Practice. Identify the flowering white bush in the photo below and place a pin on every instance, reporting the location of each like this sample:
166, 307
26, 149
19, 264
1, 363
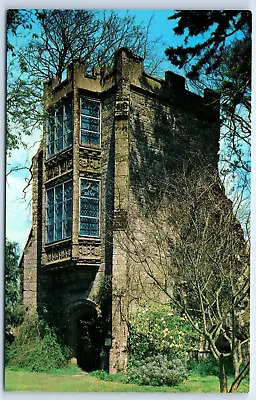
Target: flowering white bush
158, 329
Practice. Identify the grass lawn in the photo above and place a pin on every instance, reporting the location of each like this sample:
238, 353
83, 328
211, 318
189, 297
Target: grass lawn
24, 381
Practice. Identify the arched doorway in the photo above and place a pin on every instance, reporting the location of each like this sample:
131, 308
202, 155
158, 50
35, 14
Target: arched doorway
89, 342
84, 334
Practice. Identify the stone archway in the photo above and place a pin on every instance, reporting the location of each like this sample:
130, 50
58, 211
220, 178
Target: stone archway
84, 333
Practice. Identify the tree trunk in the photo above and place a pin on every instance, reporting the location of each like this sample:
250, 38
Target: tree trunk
237, 359
222, 375
240, 377
236, 364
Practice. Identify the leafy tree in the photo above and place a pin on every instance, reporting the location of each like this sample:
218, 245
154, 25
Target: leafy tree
12, 288
219, 25
37, 346
217, 54
20, 106
16, 18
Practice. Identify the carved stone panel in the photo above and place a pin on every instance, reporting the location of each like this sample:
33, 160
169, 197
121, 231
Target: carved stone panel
58, 252
89, 251
58, 165
122, 108
89, 161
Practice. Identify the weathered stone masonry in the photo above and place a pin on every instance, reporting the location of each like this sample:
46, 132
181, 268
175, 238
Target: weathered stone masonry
148, 127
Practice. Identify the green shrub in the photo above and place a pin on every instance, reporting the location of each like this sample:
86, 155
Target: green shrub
157, 371
101, 374
105, 376
37, 347
157, 330
209, 366
204, 366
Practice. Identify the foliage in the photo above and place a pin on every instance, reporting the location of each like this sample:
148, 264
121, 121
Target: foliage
105, 376
160, 330
216, 53
37, 347
101, 374
219, 24
208, 366
13, 309
157, 371
203, 367
17, 18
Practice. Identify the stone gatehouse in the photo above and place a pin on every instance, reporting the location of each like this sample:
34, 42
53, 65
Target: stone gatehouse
110, 140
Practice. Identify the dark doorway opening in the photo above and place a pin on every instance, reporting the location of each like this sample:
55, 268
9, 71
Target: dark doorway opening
89, 340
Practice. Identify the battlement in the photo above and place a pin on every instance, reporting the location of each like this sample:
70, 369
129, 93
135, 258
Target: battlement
130, 68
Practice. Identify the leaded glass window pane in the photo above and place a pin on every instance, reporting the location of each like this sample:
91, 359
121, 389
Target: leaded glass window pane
90, 188
68, 208
59, 144
50, 197
50, 233
50, 134
59, 122
90, 137
50, 149
59, 212
89, 226
89, 207
58, 230
91, 108
59, 132
68, 125
68, 227
68, 190
58, 193
50, 214
90, 122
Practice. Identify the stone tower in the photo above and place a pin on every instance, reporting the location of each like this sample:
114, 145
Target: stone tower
110, 140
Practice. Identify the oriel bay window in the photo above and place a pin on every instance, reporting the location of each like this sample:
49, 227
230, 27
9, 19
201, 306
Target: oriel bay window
59, 128
90, 122
89, 207
59, 212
